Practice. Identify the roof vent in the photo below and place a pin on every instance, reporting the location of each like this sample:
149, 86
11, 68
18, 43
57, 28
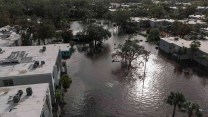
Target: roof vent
176, 39
36, 64
1, 51
43, 49
17, 97
42, 62
20, 92
29, 91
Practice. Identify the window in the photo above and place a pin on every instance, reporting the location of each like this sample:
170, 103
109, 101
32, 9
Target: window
8, 83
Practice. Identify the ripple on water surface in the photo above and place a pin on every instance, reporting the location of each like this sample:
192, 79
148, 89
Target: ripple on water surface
96, 92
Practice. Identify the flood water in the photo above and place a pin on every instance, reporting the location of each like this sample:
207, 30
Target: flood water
97, 91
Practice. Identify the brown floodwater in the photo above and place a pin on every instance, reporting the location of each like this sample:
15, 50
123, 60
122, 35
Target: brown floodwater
100, 90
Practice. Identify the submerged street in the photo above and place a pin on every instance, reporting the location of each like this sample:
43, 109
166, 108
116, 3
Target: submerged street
98, 90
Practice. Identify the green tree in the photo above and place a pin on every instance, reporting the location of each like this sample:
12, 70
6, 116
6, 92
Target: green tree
175, 26
59, 96
140, 12
176, 99
157, 11
184, 13
26, 39
153, 35
65, 81
194, 47
129, 51
121, 17
184, 29
100, 8
182, 51
4, 18
192, 109
96, 34
67, 36
44, 31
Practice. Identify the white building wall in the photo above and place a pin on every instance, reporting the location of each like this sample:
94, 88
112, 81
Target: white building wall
171, 48
164, 46
47, 107
187, 55
55, 75
46, 110
198, 58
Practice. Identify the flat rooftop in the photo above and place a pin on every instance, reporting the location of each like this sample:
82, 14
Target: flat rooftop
5, 28
8, 36
197, 16
26, 56
186, 43
28, 106
185, 21
201, 7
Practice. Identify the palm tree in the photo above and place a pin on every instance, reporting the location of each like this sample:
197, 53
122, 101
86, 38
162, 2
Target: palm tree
176, 99
192, 109
194, 47
182, 51
146, 58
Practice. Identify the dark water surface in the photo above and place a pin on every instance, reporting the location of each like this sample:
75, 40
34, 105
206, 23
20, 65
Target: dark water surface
97, 91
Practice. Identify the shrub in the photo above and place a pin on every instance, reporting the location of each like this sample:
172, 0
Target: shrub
65, 81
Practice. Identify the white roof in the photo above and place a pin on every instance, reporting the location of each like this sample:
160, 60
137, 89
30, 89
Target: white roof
5, 28
115, 4
173, 7
201, 7
205, 29
183, 3
138, 19
74, 32
29, 106
32, 54
7, 36
192, 21
5, 42
197, 16
169, 20
124, 5
187, 21
112, 10
186, 43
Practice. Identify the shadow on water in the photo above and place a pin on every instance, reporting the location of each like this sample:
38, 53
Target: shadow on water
94, 52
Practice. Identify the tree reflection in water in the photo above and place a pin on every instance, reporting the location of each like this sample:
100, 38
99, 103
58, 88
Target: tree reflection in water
94, 52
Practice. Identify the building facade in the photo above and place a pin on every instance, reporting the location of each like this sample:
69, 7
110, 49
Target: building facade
174, 46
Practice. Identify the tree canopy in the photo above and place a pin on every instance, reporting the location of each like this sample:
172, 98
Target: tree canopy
129, 51
176, 99
95, 33
153, 35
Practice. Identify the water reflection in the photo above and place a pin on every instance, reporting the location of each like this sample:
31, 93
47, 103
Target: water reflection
94, 52
97, 91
